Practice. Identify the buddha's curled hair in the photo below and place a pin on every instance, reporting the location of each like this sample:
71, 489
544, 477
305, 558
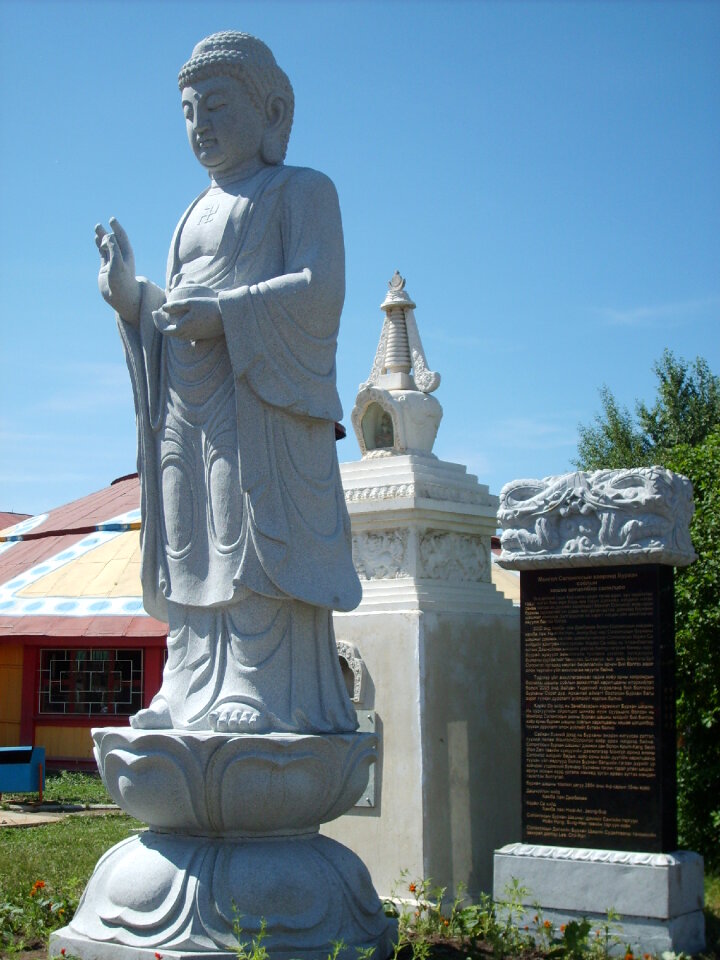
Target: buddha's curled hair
247, 59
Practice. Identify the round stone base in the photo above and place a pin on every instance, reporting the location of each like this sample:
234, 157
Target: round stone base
222, 784
194, 897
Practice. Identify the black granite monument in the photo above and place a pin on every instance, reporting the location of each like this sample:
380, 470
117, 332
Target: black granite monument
598, 707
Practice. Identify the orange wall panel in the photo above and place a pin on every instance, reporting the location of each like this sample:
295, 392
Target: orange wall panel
62, 741
11, 658
11, 655
9, 734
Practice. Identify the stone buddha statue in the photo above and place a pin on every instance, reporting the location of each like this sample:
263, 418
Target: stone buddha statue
245, 535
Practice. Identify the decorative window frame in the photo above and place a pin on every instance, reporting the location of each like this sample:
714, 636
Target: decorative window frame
123, 668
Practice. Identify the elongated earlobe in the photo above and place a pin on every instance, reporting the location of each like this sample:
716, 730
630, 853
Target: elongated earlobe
274, 145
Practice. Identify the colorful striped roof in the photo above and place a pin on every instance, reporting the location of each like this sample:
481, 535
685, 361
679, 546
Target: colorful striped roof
75, 571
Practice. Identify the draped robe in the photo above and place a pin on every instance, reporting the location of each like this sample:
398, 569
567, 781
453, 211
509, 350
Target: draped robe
245, 535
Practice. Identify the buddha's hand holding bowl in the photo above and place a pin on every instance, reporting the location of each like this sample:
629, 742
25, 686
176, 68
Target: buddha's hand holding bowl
191, 312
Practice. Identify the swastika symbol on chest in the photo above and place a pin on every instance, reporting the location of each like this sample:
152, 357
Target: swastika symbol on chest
209, 212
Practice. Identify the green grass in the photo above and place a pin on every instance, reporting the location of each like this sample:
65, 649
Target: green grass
712, 914
67, 787
62, 855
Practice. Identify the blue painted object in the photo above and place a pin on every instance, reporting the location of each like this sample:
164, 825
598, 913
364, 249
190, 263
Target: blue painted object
22, 770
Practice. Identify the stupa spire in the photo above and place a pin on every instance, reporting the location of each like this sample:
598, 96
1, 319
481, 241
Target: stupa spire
400, 362
393, 412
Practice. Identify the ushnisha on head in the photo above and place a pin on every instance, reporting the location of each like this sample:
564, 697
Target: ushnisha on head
249, 61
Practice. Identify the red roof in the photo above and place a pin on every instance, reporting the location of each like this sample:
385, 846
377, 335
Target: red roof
58, 531
10, 519
82, 516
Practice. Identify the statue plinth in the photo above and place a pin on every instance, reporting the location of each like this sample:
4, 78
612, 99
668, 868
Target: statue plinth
233, 842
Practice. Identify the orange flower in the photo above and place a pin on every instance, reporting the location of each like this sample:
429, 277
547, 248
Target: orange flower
647, 956
629, 955
39, 884
446, 922
412, 888
546, 924
535, 918
562, 928
417, 913
158, 956
526, 927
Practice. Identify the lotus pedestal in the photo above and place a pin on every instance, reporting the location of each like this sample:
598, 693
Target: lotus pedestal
232, 841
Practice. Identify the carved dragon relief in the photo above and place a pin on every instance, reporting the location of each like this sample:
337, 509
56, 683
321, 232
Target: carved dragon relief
641, 514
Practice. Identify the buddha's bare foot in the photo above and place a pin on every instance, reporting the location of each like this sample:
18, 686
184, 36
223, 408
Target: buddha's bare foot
155, 717
237, 718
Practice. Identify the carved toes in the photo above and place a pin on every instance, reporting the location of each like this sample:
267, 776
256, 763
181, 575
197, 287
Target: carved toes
237, 718
155, 717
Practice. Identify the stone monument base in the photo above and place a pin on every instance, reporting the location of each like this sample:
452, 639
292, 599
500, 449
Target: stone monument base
233, 849
659, 896
187, 896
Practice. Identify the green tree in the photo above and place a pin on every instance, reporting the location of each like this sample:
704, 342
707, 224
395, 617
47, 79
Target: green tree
681, 431
687, 406
697, 642
612, 441
686, 409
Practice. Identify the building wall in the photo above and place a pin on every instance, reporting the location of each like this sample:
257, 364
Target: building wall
67, 739
64, 742
11, 659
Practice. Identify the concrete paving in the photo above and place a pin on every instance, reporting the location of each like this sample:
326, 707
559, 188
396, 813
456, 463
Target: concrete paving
23, 815
13, 818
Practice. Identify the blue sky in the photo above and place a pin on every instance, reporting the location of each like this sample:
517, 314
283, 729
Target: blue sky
545, 175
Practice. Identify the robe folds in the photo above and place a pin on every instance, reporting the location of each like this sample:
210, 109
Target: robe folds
245, 534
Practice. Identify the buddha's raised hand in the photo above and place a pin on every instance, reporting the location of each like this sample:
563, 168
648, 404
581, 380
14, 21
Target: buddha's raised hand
116, 279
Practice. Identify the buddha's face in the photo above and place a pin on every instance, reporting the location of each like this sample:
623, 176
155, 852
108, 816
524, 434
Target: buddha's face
224, 127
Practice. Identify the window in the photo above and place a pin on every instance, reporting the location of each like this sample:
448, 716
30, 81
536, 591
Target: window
90, 682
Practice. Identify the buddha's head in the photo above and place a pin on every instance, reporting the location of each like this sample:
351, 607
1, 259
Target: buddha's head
238, 103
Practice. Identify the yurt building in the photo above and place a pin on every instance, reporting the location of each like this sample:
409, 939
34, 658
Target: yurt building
77, 650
